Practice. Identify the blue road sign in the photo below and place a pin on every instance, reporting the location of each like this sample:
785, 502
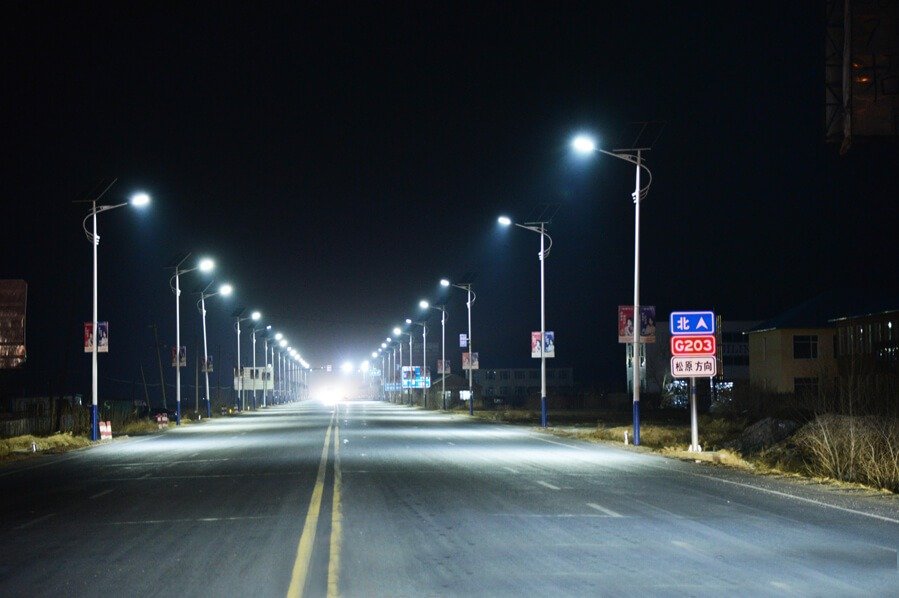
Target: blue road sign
692, 322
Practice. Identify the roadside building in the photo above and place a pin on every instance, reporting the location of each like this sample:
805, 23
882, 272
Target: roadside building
512, 386
800, 350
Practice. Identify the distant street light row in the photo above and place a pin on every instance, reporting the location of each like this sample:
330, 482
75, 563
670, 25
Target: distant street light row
583, 145
293, 372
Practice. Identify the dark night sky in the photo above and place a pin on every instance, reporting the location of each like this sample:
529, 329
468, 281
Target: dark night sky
338, 159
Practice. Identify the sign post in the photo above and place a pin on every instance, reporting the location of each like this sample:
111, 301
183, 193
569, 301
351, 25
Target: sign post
693, 349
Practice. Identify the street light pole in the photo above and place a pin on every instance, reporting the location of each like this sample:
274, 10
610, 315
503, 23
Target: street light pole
241, 403
442, 309
585, 145
224, 291
638, 320
137, 200
539, 227
204, 265
254, 368
471, 299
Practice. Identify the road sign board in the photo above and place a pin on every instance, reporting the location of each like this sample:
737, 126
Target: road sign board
693, 367
692, 322
702, 344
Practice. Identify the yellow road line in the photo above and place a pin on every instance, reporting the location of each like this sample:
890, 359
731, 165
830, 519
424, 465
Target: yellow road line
336, 523
307, 539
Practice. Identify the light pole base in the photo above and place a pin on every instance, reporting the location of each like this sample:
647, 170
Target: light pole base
636, 423
95, 423
178, 414
543, 412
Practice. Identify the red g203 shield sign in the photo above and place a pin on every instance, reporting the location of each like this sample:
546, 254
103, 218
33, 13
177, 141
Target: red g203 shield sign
693, 345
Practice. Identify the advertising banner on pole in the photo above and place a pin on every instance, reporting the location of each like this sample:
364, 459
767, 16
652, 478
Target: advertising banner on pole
470, 361
548, 345
443, 368
207, 365
102, 337
626, 324
463, 341
183, 360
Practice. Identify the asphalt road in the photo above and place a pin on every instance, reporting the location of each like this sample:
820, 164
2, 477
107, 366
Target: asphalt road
373, 499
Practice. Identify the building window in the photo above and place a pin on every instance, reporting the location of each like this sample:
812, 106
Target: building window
805, 346
805, 387
519, 374
504, 375
490, 391
490, 375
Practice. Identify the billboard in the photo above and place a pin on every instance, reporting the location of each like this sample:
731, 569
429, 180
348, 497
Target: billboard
626, 324
861, 71
415, 377
13, 300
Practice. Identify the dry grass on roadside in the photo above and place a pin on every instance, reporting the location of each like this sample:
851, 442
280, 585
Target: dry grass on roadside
19, 445
137, 428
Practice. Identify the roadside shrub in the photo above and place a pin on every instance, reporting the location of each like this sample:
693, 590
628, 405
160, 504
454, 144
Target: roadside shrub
852, 449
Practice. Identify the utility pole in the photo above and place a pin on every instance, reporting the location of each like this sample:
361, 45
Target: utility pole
165, 404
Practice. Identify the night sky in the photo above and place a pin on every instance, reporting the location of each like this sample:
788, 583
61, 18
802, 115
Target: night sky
338, 159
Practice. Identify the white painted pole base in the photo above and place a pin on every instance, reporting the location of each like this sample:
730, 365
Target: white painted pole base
694, 448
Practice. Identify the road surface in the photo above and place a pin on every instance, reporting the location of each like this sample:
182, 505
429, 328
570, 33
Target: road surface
374, 499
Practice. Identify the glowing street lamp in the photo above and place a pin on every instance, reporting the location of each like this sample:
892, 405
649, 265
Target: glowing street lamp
397, 332
255, 316
442, 309
466, 286
424, 350
204, 265
224, 290
586, 145
538, 227
137, 200
282, 342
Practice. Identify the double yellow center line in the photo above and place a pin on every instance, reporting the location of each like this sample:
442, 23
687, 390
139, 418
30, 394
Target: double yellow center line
307, 539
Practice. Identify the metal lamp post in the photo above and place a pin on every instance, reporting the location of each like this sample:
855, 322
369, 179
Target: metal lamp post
539, 227
442, 309
583, 144
424, 353
224, 291
471, 298
137, 200
397, 332
281, 342
265, 339
204, 265
253, 335
255, 317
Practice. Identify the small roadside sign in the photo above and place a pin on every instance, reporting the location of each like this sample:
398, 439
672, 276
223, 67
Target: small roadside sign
694, 367
692, 322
